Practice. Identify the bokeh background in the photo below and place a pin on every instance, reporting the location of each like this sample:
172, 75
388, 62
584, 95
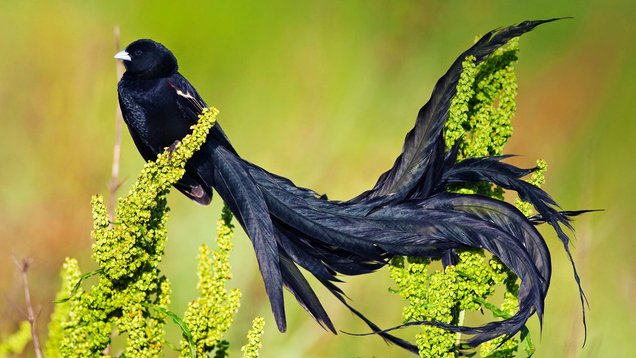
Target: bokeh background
323, 93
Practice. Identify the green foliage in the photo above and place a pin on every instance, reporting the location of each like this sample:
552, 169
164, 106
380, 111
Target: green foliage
70, 277
128, 252
480, 116
210, 315
16, 342
251, 348
481, 110
131, 296
537, 178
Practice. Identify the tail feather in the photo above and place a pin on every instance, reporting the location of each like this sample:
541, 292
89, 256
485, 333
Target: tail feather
424, 228
299, 287
471, 230
377, 330
491, 169
480, 334
303, 253
323, 260
419, 159
246, 202
568, 214
506, 217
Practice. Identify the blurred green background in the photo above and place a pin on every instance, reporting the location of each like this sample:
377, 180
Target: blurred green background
323, 93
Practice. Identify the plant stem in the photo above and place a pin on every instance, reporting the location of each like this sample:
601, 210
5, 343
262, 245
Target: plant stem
114, 183
114, 180
23, 265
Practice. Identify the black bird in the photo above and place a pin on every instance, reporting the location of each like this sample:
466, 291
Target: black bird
408, 212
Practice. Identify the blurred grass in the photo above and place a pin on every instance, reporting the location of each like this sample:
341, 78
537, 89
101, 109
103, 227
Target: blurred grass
322, 93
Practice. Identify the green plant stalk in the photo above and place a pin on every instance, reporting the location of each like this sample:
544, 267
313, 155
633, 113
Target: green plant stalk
480, 114
16, 342
131, 296
211, 314
252, 348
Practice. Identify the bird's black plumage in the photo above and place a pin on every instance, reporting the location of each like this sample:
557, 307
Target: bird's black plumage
408, 212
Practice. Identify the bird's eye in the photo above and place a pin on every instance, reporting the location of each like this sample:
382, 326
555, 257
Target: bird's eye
138, 53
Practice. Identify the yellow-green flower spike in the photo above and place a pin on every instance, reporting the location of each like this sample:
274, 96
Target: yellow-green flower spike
210, 315
17, 342
253, 345
480, 114
131, 295
70, 277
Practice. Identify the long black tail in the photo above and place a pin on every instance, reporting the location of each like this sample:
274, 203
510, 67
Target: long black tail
338, 237
407, 213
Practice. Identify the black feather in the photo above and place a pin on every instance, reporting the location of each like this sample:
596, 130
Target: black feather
407, 212
245, 200
299, 287
420, 155
507, 176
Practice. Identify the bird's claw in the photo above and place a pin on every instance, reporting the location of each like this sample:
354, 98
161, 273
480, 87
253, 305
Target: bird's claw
173, 147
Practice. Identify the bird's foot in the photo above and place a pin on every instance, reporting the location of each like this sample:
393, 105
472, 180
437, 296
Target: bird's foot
173, 147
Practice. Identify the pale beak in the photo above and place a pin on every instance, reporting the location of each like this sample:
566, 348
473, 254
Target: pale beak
123, 55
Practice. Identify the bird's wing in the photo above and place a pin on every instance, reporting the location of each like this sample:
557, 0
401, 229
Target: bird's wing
423, 151
145, 150
188, 99
195, 184
191, 103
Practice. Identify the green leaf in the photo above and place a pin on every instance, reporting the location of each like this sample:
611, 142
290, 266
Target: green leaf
79, 282
184, 328
496, 311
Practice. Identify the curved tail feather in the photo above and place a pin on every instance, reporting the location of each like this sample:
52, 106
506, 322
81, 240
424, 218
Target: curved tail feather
408, 212
507, 176
423, 228
420, 160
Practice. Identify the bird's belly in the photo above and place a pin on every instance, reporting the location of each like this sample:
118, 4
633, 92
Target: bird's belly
165, 127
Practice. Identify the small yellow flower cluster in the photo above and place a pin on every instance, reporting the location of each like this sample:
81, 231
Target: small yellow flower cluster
251, 349
70, 275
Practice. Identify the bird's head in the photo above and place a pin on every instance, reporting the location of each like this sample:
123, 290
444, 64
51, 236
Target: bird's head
147, 59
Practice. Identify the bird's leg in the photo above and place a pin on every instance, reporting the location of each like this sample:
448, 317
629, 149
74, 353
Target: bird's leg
173, 147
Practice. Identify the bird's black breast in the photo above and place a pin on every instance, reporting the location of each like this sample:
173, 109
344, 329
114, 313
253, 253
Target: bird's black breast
153, 114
